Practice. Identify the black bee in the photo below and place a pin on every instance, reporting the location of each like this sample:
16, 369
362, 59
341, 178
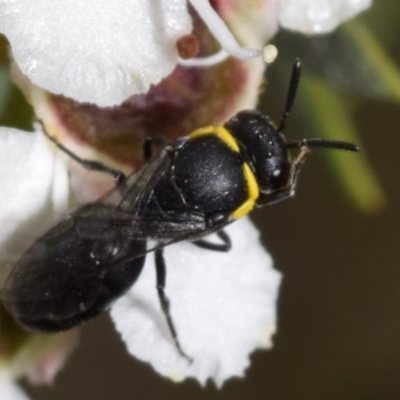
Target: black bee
191, 188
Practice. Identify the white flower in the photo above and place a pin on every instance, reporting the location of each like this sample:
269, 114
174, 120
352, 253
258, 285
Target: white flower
104, 51
223, 306
319, 16
33, 180
98, 51
9, 390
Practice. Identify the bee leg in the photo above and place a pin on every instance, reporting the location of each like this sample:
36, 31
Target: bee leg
91, 165
148, 144
225, 246
161, 274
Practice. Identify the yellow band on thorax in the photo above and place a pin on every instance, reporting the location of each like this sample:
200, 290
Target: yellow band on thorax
221, 132
253, 193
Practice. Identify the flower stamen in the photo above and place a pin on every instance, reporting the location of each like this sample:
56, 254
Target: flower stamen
221, 32
207, 61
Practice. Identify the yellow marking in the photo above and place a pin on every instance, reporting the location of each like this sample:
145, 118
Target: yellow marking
221, 132
252, 184
253, 193
244, 209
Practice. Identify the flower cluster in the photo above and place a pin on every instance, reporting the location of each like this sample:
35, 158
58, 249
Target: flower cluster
135, 52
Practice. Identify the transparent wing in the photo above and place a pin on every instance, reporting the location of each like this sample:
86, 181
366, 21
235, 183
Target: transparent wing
94, 255
131, 196
69, 276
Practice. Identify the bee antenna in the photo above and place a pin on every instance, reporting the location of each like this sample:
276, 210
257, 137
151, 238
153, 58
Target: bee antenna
294, 83
323, 143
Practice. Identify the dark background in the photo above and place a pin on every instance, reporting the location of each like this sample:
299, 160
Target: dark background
339, 306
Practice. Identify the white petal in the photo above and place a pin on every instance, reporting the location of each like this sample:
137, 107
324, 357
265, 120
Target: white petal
99, 51
11, 391
319, 16
27, 175
223, 306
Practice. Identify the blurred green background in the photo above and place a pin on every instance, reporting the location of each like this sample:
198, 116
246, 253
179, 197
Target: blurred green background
337, 243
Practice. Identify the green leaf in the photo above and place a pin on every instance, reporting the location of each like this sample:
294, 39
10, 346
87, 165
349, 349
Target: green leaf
328, 114
5, 88
372, 53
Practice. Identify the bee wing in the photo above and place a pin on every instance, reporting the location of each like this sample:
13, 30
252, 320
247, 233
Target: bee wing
131, 199
94, 255
131, 195
70, 274
84, 263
